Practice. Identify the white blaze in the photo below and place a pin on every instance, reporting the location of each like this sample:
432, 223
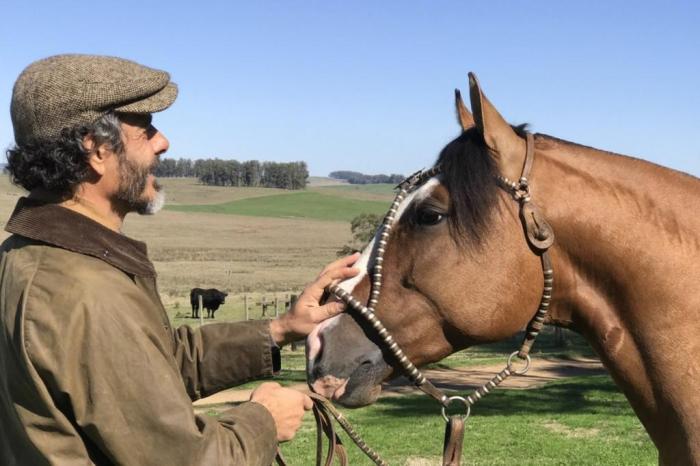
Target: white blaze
314, 340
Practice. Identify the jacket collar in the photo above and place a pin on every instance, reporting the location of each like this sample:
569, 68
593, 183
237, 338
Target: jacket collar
58, 226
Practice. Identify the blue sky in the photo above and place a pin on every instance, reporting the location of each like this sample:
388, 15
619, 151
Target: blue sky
368, 85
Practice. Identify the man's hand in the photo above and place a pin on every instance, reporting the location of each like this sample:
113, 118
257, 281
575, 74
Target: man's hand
300, 320
287, 407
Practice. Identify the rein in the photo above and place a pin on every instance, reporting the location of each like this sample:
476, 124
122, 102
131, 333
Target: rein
539, 236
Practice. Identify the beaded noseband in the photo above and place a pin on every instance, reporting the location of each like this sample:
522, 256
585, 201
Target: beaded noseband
539, 237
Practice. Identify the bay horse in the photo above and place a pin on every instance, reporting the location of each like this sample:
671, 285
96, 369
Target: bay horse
458, 271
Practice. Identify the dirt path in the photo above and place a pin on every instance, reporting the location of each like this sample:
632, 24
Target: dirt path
460, 379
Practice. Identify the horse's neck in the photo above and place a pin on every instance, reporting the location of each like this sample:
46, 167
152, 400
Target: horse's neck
626, 274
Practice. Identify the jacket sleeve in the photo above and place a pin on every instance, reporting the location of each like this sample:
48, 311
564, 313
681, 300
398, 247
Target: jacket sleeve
116, 381
219, 356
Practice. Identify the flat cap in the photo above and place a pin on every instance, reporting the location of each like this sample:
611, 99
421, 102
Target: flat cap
68, 90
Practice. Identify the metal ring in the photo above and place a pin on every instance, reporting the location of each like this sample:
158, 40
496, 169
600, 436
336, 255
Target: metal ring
509, 365
450, 400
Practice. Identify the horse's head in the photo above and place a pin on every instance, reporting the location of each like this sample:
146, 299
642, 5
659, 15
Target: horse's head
457, 269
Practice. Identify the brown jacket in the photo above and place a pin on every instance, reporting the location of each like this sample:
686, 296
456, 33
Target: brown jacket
91, 372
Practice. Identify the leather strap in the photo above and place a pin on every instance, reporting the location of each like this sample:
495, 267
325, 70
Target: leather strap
538, 231
429, 389
279, 459
324, 426
454, 438
540, 237
325, 413
529, 155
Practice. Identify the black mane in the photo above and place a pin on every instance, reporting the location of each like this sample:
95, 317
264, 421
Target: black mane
469, 174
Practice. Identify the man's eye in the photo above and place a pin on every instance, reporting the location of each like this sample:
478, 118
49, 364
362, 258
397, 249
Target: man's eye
428, 217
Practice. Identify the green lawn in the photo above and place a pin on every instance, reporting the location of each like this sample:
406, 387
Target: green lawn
361, 191
300, 204
578, 421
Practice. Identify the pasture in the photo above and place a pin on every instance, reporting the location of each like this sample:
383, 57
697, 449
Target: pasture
240, 253
577, 421
267, 242
302, 205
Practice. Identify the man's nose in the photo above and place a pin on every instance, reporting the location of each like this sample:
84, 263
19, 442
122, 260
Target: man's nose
160, 143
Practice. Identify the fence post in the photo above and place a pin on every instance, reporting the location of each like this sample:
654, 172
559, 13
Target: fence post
245, 306
201, 310
292, 302
277, 309
263, 306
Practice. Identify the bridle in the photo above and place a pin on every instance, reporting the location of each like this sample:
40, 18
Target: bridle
539, 236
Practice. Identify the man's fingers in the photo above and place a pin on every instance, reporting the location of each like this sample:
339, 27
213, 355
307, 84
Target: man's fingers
327, 311
317, 287
346, 261
267, 386
308, 404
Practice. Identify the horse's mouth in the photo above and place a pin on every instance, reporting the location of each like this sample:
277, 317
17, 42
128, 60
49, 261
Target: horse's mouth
362, 396
363, 387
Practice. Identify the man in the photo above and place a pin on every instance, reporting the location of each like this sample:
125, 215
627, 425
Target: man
91, 371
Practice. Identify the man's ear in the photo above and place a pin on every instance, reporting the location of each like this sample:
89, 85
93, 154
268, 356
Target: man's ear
97, 155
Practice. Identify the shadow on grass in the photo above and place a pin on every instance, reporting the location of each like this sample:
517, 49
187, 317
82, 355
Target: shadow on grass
572, 344
579, 395
469, 378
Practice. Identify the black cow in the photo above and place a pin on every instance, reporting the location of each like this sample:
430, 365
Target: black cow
211, 300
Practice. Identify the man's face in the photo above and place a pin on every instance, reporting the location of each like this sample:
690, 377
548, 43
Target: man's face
138, 189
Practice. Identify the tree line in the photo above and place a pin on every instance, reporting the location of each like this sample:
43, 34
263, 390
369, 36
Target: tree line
360, 178
252, 173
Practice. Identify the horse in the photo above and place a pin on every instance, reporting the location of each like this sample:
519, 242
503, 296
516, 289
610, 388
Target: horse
459, 268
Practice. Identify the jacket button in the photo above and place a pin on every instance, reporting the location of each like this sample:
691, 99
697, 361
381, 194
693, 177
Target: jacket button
105, 253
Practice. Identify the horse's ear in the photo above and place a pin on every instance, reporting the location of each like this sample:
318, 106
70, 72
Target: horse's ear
505, 145
464, 116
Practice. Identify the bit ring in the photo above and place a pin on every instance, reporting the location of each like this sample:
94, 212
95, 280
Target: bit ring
449, 401
521, 371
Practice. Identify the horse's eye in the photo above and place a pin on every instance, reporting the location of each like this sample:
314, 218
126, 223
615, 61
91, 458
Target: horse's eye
428, 217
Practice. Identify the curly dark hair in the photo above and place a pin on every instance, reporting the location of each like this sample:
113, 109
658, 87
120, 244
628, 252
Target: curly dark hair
61, 164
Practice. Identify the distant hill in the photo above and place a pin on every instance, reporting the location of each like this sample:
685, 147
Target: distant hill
317, 181
293, 204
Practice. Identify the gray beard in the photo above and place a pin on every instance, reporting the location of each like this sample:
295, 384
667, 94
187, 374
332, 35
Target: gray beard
133, 179
154, 205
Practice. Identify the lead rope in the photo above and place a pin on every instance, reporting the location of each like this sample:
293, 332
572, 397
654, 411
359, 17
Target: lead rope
324, 413
540, 237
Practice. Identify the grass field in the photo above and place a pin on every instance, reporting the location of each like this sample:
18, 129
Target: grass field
379, 192
188, 191
579, 421
300, 204
240, 253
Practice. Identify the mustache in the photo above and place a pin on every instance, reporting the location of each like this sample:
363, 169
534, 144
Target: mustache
152, 171
154, 166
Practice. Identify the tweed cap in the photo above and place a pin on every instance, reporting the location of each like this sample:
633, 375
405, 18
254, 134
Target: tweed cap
67, 90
